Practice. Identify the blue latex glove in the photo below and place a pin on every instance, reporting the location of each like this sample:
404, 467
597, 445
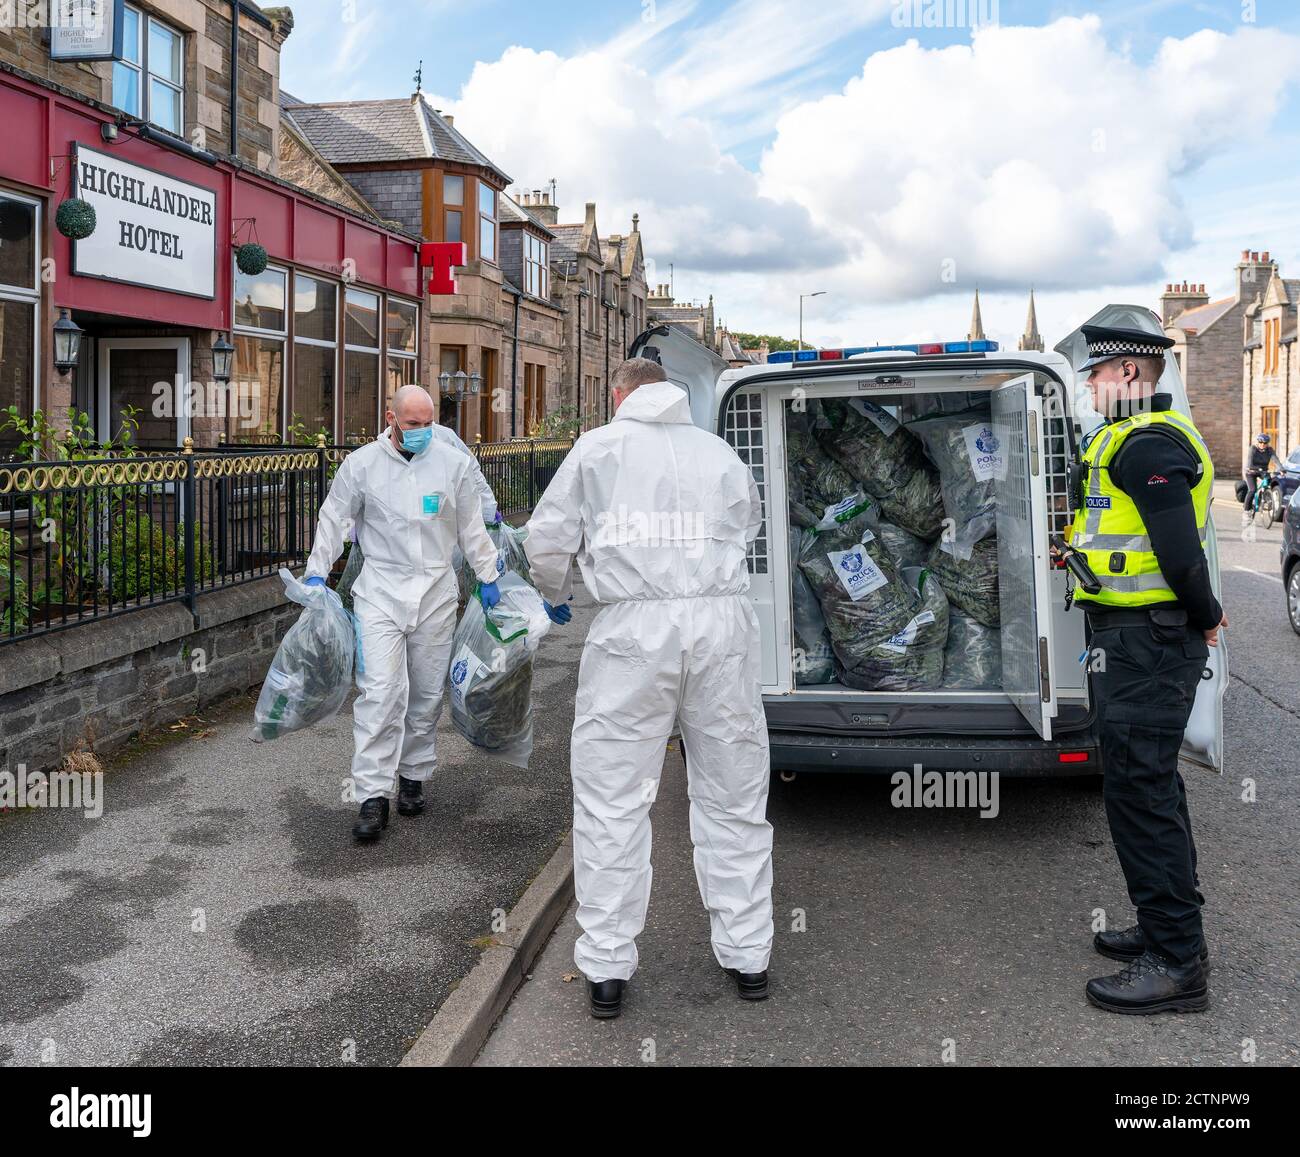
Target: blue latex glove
560, 614
314, 581
498, 518
489, 594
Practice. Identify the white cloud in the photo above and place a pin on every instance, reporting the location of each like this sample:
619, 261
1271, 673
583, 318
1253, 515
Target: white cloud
1031, 155
1041, 155
596, 123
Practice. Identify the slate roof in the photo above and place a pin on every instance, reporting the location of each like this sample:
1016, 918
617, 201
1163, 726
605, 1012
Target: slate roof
1203, 316
357, 132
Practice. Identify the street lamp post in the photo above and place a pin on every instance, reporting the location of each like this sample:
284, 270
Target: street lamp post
801, 297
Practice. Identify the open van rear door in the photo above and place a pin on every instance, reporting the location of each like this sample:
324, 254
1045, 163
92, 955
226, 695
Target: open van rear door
1025, 592
1203, 740
688, 364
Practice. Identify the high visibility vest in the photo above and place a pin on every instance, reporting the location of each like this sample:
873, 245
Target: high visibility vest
1108, 529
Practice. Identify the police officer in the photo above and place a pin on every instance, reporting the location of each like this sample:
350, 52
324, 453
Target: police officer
1145, 510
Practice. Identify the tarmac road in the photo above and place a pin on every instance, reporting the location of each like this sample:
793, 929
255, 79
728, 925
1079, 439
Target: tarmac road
220, 912
935, 934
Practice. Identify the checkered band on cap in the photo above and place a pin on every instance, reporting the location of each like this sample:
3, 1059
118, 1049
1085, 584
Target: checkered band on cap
1100, 349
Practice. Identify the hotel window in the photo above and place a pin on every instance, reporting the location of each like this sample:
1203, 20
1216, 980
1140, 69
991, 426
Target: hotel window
20, 260
149, 80
535, 266
361, 366
487, 222
315, 353
257, 385
453, 199
403, 343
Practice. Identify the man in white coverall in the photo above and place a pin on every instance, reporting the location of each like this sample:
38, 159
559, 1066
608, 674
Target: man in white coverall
413, 498
661, 515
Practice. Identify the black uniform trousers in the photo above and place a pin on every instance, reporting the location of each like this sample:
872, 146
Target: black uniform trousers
1144, 680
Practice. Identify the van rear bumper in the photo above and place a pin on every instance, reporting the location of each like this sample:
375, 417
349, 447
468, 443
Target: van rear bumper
803, 751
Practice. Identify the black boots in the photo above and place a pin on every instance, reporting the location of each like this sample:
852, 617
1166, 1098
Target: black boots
410, 796
750, 985
606, 998
1151, 984
372, 820
1129, 944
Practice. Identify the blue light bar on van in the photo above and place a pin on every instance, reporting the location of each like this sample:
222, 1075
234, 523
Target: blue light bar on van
785, 357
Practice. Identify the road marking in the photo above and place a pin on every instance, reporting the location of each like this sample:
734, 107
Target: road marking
1259, 574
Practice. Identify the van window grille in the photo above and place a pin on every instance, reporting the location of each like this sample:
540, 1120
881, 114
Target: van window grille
1056, 458
744, 432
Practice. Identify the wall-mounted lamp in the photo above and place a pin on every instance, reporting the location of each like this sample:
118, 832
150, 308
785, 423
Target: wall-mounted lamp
67, 343
223, 359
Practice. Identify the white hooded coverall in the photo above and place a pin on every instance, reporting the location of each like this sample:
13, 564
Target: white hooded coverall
660, 515
409, 516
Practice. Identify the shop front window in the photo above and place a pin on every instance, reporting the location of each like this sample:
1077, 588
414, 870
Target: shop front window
315, 353
19, 306
402, 343
256, 401
360, 366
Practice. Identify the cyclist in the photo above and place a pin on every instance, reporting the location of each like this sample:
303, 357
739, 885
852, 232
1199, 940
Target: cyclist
1262, 457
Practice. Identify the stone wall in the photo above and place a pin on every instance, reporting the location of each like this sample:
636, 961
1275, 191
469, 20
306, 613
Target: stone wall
205, 25
98, 685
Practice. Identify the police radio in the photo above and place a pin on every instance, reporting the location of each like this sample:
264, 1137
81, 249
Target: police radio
1077, 565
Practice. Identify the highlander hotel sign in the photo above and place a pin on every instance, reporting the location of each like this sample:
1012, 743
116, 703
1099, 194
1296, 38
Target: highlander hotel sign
152, 230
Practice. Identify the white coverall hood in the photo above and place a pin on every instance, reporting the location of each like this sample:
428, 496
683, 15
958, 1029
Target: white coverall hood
652, 506
656, 402
660, 515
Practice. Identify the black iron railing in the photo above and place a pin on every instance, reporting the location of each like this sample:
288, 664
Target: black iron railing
82, 541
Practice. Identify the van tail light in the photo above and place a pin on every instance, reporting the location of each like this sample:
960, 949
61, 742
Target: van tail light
1073, 756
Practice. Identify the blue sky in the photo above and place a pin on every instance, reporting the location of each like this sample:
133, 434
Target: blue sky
707, 117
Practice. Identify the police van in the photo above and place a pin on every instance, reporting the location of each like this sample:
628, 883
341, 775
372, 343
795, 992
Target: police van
1039, 721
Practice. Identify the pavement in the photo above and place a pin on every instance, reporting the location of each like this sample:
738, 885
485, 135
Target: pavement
220, 913
911, 937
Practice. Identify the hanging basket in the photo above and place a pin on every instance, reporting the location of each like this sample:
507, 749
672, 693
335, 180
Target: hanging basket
251, 258
75, 219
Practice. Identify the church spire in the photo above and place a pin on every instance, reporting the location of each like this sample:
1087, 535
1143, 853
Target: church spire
1032, 339
976, 321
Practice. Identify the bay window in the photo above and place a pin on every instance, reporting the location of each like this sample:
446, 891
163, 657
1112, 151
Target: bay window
487, 222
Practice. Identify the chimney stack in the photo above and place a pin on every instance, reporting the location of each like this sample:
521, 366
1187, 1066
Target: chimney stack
1180, 297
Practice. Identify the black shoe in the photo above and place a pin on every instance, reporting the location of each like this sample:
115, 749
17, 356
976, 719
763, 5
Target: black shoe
606, 998
410, 796
750, 985
373, 818
1151, 984
1129, 944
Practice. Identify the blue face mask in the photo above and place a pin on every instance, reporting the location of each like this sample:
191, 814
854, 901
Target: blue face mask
413, 441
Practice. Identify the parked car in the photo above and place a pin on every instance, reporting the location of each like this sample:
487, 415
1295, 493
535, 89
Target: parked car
1291, 559
1288, 479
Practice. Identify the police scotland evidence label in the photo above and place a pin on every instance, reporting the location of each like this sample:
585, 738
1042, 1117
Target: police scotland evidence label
857, 571
988, 456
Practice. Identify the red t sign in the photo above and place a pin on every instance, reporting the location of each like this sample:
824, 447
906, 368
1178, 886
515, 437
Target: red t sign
441, 257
